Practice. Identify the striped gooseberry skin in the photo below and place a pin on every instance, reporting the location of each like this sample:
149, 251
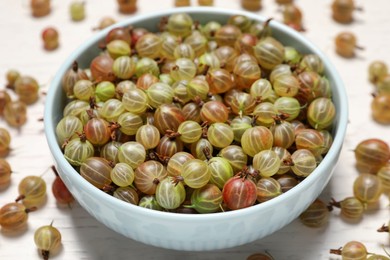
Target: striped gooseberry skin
197, 149
149, 46
321, 113
168, 117
13, 216
149, 202
168, 45
175, 163
97, 131
106, 90
267, 188
198, 88
148, 136
159, 93
5, 172
32, 190
284, 156
239, 125
96, 170
207, 61
111, 109
287, 182
84, 89
129, 123
354, 250
227, 56
372, 151
213, 112
283, 133
195, 173
286, 86
328, 140
243, 104
190, 131
310, 139
191, 111
206, 199
122, 174
309, 81
75, 108
101, 68
239, 193
227, 35
367, 188
312, 62
289, 106
220, 170
261, 88
265, 113
124, 67
148, 175
269, 52
110, 150
146, 80
351, 208
197, 41
135, 101
127, 194
132, 153
220, 135
170, 194
78, 150
235, 156
220, 80
304, 162
279, 71
66, 129
184, 69
383, 174
316, 215
256, 139
267, 162
167, 146
246, 73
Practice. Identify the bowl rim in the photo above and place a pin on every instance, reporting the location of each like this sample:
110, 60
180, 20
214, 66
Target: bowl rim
330, 158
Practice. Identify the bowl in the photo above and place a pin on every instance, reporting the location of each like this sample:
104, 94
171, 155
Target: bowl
202, 231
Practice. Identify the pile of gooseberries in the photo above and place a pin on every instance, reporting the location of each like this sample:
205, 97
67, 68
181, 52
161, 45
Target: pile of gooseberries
209, 118
378, 75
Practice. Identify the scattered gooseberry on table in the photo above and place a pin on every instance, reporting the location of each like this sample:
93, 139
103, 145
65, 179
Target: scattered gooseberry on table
77, 10
50, 37
5, 173
32, 191
316, 215
346, 44
251, 5
351, 250
367, 188
14, 216
127, 6
47, 239
351, 207
40, 8
59, 190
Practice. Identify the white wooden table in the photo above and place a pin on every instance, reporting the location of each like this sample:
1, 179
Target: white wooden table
84, 237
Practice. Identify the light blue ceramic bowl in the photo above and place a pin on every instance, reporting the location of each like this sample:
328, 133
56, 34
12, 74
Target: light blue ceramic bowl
195, 232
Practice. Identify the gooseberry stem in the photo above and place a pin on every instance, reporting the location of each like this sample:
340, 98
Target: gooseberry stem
336, 251
383, 228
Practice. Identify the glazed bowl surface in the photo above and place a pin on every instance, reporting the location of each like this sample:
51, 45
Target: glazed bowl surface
201, 231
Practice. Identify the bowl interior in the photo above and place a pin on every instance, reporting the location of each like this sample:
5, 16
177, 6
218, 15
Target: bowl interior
56, 101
